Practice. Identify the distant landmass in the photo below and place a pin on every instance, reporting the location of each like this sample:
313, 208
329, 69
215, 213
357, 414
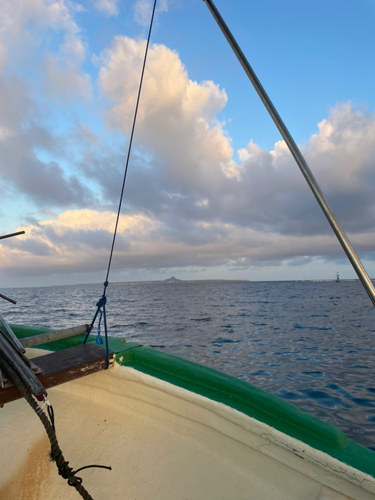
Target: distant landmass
172, 279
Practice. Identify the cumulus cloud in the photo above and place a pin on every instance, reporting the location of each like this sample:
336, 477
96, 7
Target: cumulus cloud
63, 244
78, 241
64, 81
31, 153
192, 173
176, 118
109, 7
22, 19
26, 25
45, 182
187, 201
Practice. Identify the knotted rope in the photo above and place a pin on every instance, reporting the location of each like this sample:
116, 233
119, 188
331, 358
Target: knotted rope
49, 424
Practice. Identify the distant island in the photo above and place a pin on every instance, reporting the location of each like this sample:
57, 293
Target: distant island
172, 279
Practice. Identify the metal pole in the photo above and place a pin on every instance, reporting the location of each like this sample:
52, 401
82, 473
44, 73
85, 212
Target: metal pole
24, 372
296, 153
10, 235
7, 298
11, 334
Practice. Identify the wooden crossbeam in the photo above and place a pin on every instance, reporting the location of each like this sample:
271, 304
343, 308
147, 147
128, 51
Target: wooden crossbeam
62, 366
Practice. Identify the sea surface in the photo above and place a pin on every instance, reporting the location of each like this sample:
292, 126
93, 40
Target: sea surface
311, 343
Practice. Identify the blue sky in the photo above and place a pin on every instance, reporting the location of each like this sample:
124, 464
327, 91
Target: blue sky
211, 191
308, 57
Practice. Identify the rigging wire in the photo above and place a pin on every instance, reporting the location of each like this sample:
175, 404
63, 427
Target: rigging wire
130, 141
102, 301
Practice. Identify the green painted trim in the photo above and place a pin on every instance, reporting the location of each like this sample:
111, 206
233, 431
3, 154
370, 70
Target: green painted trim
237, 394
251, 401
116, 345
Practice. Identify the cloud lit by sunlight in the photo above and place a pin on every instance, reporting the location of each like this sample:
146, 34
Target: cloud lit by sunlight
189, 200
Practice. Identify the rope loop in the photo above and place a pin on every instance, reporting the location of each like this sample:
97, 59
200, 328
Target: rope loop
99, 339
65, 471
101, 302
74, 481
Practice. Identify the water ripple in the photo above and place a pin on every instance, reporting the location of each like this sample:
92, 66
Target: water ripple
310, 343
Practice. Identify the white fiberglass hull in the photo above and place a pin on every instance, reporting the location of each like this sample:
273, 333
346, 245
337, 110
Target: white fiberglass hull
163, 442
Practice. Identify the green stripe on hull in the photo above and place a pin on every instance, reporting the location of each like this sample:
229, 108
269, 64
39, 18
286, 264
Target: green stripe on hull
252, 401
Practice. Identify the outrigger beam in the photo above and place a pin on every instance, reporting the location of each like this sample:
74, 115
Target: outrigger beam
45, 338
44, 372
60, 367
296, 153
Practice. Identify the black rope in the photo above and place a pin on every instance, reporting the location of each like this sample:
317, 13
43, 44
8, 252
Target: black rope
102, 302
55, 454
131, 141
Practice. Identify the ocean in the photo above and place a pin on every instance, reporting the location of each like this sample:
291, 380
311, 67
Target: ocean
311, 343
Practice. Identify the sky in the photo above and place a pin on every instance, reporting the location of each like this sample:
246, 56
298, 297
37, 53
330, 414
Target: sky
212, 191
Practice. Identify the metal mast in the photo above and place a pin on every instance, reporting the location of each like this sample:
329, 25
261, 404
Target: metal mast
296, 153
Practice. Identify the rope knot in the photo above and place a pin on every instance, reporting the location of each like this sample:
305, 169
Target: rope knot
74, 481
65, 471
102, 302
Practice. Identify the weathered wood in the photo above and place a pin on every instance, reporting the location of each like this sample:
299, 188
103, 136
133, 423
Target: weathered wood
62, 366
44, 338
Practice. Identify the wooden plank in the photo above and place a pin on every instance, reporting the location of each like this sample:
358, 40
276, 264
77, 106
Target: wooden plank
62, 366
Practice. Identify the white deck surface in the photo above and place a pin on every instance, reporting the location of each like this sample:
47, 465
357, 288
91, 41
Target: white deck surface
164, 443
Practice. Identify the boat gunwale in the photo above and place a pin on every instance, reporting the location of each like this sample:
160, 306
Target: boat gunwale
237, 394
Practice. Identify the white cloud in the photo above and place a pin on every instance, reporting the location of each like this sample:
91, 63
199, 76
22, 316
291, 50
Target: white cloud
266, 216
26, 19
25, 29
92, 220
42, 38
109, 7
192, 155
176, 117
64, 81
79, 241
192, 178
187, 201
22, 172
63, 244
343, 150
